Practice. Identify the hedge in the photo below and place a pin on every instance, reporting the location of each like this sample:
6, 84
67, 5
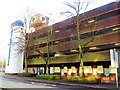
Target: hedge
48, 77
26, 74
84, 80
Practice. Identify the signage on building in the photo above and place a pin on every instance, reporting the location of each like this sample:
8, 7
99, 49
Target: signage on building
30, 70
65, 69
17, 23
69, 71
87, 69
112, 70
73, 69
106, 72
99, 69
62, 71
95, 71
57, 69
39, 21
51, 70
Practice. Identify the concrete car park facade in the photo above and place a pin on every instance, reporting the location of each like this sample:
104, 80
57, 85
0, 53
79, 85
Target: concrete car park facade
101, 24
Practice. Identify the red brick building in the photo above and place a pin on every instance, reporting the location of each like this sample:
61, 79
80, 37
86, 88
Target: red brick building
102, 25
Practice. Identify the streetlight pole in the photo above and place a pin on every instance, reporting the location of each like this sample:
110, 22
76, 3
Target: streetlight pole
116, 57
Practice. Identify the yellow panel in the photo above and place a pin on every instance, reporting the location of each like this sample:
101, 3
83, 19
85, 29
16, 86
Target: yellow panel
36, 61
88, 57
91, 56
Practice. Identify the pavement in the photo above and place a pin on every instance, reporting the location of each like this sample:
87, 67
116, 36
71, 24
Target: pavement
106, 86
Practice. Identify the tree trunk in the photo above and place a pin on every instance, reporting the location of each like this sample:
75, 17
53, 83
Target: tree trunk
47, 69
81, 68
26, 64
80, 48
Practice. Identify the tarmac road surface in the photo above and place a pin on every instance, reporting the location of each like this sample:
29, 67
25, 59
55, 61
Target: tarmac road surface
12, 84
16, 82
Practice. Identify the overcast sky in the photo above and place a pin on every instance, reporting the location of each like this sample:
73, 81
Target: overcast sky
10, 10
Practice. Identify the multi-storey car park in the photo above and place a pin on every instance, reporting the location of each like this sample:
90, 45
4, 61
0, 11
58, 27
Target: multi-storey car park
102, 25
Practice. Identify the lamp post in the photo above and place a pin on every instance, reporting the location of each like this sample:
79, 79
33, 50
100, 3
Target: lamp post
114, 54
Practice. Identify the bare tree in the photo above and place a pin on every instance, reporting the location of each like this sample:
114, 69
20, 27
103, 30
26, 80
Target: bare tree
74, 9
48, 48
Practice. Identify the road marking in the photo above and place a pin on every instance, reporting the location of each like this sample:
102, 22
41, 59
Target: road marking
54, 85
32, 82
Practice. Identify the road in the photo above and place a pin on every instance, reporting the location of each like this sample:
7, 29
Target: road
13, 83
